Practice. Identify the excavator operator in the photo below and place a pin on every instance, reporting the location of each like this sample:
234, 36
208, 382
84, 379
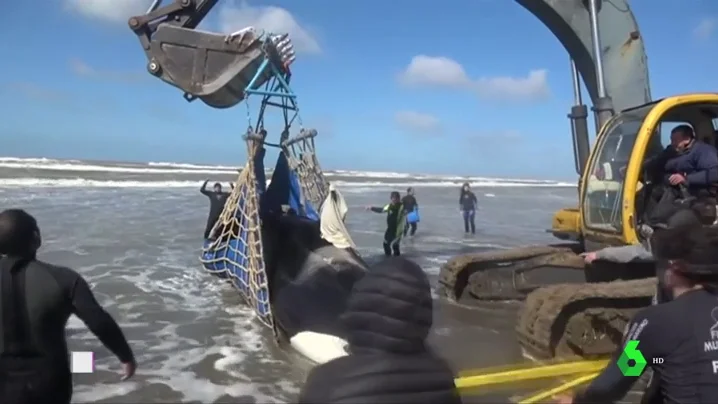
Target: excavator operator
690, 174
678, 339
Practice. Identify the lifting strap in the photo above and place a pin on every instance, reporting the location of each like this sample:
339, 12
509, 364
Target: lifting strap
581, 372
544, 395
529, 373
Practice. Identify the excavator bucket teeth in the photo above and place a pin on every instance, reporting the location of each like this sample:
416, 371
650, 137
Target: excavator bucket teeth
213, 67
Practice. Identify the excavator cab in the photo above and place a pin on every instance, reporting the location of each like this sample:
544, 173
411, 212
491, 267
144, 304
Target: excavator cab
614, 186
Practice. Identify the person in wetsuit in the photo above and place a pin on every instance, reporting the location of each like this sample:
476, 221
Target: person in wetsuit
691, 173
410, 203
386, 323
36, 300
217, 200
681, 334
467, 206
395, 222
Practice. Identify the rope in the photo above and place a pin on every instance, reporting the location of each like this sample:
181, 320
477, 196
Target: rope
237, 249
303, 160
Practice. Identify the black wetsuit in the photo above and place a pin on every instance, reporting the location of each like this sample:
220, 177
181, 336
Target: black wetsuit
217, 200
410, 203
395, 218
387, 321
467, 204
682, 337
36, 301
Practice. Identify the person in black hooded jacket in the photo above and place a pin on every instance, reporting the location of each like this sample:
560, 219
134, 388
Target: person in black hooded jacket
387, 321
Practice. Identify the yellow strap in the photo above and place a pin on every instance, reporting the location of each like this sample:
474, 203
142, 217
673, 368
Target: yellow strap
541, 396
534, 373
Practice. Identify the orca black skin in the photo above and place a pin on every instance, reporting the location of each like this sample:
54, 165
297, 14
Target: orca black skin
310, 279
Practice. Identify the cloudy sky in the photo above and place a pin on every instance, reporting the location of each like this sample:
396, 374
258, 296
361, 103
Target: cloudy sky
470, 87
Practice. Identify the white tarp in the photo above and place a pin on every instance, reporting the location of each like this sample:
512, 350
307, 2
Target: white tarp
333, 213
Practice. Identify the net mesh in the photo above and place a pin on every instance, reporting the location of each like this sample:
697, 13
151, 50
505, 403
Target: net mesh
236, 250
301, 154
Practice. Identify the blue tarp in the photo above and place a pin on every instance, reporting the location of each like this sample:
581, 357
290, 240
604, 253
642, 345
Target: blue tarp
285, 189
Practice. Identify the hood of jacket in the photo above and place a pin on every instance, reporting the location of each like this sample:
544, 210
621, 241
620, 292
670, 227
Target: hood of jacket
390, 309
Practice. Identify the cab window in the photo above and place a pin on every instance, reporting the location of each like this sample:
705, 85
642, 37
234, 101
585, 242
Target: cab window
602, 195
604, 186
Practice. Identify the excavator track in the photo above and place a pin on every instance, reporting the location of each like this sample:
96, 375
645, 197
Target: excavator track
509, 274
580, 320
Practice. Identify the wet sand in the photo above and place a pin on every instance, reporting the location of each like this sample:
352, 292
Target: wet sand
482, 336
472, 338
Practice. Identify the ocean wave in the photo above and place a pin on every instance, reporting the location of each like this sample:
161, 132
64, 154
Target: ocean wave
40, 160
83, 167
441, 184
392, 179
189, 166
374, 174
81, 182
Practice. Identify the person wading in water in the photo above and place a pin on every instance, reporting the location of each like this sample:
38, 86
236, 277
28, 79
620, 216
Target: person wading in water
217, 200
411, 207
467, 207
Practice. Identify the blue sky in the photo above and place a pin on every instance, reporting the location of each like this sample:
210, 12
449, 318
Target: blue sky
73, 83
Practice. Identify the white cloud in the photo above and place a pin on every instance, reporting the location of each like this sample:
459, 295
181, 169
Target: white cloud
434, 71
417, 122
705, 28
530, 88
109, 10
440, 71
232, 18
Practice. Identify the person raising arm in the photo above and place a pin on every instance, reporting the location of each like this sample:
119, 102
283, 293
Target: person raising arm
36, 300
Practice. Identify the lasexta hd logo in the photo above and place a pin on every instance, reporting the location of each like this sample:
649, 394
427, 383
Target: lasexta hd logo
631, 362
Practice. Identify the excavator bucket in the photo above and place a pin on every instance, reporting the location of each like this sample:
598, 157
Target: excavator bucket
216, 68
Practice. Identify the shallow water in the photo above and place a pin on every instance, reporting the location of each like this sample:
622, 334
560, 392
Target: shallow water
194, 340
134, 231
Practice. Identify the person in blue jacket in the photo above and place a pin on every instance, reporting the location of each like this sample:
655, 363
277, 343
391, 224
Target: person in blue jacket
692, 172
467, 206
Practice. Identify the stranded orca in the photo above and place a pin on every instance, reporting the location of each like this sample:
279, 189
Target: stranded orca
310, 278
